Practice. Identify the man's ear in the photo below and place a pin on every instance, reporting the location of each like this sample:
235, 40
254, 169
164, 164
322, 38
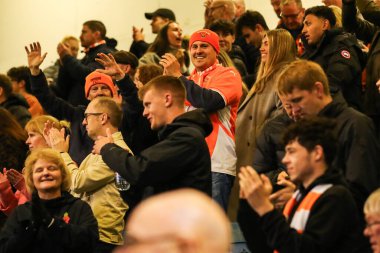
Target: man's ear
168, 99
326, 25
318, 153
319, 89
104, 118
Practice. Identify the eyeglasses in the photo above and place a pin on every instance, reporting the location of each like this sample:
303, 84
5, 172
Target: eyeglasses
86, 114
290, 16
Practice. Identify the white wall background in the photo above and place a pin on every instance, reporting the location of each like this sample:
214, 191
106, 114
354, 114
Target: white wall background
48, 21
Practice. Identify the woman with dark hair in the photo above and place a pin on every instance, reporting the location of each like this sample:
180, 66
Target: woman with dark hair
12, 155
168, 40
54, 221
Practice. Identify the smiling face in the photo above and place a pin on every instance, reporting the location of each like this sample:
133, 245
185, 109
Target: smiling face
298, 162
35, 140
203, 55
99, 90
226, 40
314, 28
174, 34
264, 49
47, 178
372, 231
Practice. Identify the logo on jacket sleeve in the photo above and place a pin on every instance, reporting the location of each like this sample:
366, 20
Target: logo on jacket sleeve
345, 54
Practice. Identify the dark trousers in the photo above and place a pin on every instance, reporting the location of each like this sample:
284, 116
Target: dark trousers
103, 247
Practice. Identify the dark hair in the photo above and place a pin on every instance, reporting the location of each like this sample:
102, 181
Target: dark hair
312, 131
166, 83
19, 74
224, 26
251, 19
149, 71
322, 12
6, 84
161, 44
96, 26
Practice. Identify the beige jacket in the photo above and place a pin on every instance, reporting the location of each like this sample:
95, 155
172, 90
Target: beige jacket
255, 110
94, 181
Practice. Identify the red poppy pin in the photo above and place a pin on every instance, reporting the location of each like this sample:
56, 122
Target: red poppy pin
66, 218
345, 54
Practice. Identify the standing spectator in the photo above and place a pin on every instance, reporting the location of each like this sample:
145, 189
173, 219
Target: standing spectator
292, 16
73, 72
216, 89
54, 221
252, 27
21, 85
14, 103
159, 18
180, 158
226, 32
337, 52
93, 180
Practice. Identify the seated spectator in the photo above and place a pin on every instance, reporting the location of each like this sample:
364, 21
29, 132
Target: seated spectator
54, 221
188, 221
160, 18
14, 103
21, 85
181, 158
226, 32
372, 217
322, 215
168, 40
93, 180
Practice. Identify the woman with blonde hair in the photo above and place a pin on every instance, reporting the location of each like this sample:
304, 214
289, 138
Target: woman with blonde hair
262, 102
54, 220
35, 130
372, 217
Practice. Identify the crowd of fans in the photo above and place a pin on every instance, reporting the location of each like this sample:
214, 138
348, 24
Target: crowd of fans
149, 150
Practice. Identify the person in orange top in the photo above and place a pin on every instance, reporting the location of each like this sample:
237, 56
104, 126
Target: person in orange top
216, 89
20, 84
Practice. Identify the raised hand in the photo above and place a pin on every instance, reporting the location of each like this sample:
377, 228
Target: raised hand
14, 177
137, 34
171, 65
35, 58
111, 68
56, 139
63, 50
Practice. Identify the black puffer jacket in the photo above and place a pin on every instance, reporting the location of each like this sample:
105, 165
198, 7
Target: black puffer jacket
18, 107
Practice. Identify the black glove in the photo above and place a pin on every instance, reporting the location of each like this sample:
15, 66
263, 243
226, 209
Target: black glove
40, 215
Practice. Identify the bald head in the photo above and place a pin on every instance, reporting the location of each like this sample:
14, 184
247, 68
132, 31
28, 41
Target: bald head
179, 221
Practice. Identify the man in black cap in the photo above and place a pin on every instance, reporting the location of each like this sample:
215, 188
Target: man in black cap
159, 18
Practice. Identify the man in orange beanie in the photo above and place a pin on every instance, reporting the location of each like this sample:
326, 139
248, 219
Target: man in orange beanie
217, 89
97, 84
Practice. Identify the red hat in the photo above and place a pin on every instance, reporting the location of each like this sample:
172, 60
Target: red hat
208, 36
96, 78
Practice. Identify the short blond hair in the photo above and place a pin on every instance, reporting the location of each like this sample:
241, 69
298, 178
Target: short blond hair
372, 204
37, 124
49, 155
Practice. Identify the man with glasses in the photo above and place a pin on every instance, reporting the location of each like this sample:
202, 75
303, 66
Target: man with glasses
93, 180
97, 84
292, 15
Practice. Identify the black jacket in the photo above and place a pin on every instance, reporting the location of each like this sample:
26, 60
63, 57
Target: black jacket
332, 226
341, 58
369, 33
80, 144
72, 75
180, 159
239, 59
18, 107
21, 234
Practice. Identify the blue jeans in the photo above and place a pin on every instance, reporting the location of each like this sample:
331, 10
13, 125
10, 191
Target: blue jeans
221, 188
